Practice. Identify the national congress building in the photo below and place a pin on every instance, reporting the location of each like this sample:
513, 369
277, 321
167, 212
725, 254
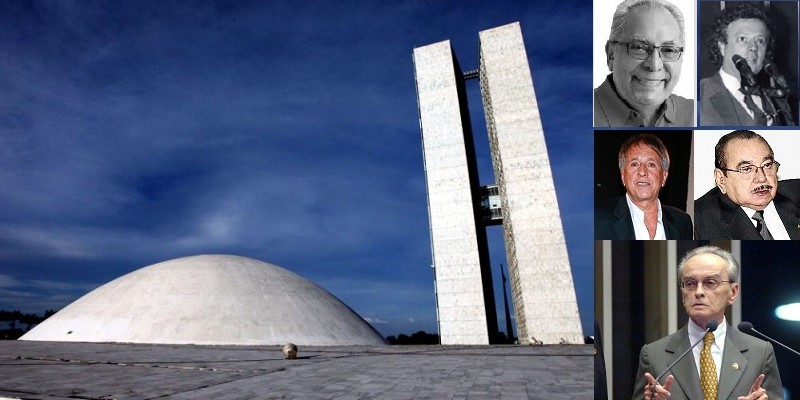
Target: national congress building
523, 198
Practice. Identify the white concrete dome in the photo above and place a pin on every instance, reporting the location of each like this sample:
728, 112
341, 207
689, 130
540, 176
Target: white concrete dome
209, 299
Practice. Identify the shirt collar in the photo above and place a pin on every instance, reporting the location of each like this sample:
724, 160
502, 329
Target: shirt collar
639, 227
769, 208
696, 333
637, 212
670, 111
732, 84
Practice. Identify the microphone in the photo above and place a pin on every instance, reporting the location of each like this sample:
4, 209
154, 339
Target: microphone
744, 70
710, 327
779, 79
747, 328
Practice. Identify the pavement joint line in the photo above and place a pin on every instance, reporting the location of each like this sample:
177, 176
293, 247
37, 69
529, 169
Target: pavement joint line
149, 364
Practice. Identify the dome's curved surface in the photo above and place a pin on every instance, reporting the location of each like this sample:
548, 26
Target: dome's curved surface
208, 299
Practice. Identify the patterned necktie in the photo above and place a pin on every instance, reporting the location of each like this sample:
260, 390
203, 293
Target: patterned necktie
761, 227
708, 370
758, 115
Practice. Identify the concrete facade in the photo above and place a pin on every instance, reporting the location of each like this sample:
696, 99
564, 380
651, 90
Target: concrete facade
541, 280
458, 241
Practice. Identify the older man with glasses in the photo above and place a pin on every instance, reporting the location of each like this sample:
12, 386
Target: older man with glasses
724, 363
745, 204
643, 54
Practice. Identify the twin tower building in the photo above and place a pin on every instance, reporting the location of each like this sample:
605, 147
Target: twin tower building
523, 198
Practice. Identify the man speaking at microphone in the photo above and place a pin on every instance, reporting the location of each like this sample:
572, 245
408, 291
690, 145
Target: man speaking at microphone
725, 363
741, 44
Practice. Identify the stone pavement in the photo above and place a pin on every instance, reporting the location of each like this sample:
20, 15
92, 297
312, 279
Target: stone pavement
55, 370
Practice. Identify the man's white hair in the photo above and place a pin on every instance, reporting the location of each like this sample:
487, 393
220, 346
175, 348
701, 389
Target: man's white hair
731, 265
627, 6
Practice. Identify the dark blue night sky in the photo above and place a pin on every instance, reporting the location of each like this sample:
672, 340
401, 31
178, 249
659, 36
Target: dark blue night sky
133, 132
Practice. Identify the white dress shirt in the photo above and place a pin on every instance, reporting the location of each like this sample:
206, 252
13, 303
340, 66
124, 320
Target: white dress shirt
637, 216
771, 219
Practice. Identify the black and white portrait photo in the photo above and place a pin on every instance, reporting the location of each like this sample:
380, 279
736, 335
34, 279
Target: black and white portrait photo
748, 63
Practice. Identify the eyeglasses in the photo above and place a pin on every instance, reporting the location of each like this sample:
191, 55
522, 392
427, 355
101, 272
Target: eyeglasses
708, 283
642, 50
749, 171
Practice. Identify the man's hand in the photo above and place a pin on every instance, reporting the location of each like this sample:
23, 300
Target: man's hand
661, 392
756, 391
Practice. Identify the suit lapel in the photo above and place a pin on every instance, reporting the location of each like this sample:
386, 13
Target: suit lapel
733, 363
727, 106
732, 216
623, 228
685, 372
669, 224
789, 216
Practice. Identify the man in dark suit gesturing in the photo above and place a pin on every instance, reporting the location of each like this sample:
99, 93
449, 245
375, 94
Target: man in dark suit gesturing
727, 364
746, 203
643, 167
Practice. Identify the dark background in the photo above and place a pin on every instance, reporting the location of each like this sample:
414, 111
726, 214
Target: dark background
770, 279
607, 182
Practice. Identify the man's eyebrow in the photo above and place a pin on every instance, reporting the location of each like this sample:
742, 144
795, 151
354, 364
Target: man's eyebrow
748, 162
635, 38
647, 158
715, 276
749, 33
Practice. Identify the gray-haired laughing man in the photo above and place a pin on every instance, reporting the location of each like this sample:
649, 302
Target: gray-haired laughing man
644, 54
745, 204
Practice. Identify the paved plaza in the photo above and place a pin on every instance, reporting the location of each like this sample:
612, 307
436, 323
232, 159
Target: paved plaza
57, 370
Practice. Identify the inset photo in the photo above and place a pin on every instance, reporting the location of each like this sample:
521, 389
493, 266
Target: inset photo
748, 63
641, 185
644, 63
747, 185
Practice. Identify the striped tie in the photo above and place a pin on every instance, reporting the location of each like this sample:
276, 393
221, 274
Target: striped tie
761, 226
708, 371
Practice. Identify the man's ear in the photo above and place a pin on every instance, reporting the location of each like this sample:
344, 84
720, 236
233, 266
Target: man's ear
734, 293
720, 179
721, 48
610, 56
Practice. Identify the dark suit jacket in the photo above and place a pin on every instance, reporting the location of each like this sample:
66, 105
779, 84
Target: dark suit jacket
718, 107
753, 357
612, 221
791, 189
717, 217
